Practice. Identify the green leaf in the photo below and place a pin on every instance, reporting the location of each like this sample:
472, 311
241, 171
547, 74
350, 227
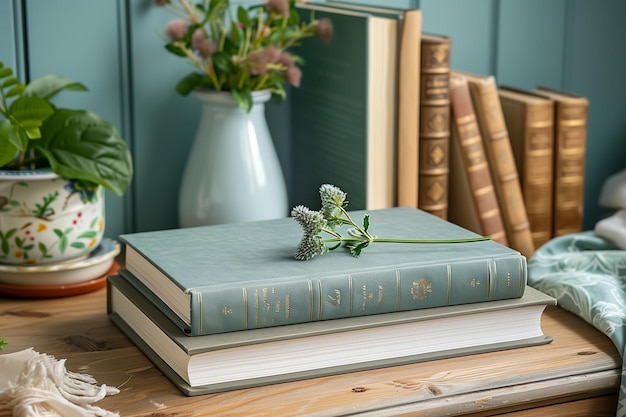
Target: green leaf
5, 72
29, 113
235, 33
223, 62
217, 8
243, 97
294, 17
366, 222
242, 16
189, 35
9, 82
77, 245
42, 249
9, 140
90, 234
189, 83
49, 86
15, 91
176, 50
81, 145
356, 250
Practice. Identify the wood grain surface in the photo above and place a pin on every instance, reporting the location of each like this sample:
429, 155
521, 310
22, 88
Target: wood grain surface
580, 368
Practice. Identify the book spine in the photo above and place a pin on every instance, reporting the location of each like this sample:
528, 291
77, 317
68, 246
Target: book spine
434, 135
569, 167
408, 109
502, 164
532, 130
357, 294
474, 160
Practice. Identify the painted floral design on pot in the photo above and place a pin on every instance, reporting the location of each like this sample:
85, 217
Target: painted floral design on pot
47, 219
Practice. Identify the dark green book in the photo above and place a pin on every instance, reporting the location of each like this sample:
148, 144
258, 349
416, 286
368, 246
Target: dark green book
351, 84
243, 276
344, 114
227, 361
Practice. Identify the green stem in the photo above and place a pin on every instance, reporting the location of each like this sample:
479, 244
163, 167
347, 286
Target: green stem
397, 240
356, 226
431, 241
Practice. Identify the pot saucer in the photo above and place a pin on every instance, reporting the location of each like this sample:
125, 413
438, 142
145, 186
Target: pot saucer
78, 271
56, 291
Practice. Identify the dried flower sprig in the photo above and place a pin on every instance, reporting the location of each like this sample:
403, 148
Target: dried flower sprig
334, 214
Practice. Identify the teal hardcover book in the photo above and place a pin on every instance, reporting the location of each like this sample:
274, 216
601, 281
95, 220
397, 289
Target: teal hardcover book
343, 115
244, 276
227, 361
409, 30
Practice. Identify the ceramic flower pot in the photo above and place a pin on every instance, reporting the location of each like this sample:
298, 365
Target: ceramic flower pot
47, 219
233, 173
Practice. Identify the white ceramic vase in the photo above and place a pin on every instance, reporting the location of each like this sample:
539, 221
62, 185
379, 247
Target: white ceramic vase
44, 219
233, 173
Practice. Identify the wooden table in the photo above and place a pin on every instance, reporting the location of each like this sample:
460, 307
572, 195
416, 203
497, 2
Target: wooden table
576, 375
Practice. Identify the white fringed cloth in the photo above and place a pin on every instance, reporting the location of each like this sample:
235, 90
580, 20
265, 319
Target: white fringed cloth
33, 384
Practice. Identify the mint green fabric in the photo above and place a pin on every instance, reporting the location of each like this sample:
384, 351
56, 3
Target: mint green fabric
587, 275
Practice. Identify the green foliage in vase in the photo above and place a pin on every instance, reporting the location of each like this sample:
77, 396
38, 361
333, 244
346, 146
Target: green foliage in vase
75, 144
240, 53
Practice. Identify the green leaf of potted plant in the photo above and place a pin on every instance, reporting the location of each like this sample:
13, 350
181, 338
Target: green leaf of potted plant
67, 156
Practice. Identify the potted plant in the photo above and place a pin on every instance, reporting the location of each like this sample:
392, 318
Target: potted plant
54, 165
240, 60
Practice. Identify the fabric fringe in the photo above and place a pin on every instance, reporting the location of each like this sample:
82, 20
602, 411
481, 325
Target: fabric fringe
34, 384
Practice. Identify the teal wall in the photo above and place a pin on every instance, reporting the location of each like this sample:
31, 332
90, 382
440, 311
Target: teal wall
114, 48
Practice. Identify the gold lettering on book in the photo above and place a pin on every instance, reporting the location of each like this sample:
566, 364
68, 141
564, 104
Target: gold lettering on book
475, 283
288, 305
421, 289
364, 296
226, 310
380, 294
336, 300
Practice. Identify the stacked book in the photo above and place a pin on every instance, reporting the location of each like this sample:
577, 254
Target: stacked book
227, 306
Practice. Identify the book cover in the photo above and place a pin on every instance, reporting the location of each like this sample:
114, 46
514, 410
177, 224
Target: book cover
530, 122
504, 173
408, 94
213, 363
243, 276
473, 202
343, 115
434, 136
570, 148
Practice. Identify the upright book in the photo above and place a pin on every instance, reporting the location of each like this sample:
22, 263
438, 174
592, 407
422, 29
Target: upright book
205, 364
343, 115
472, 200
501, 161
408, 95
530, 121
434, 137
570, 148
244, 276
